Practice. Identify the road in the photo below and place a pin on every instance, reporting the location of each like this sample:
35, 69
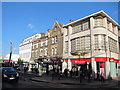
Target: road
25, 82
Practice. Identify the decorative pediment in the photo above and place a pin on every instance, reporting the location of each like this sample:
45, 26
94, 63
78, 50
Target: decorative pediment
56, 26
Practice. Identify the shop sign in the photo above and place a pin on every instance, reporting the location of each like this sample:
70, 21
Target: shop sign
100, 59
80, 62
82, 59
64, 60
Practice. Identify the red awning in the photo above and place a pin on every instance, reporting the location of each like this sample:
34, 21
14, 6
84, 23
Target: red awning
54, 58
82, 59
5, 59
113, 60
64, 60
74, 60
100, 59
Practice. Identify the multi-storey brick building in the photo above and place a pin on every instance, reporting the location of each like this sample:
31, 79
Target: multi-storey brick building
56, 43
49, 47
92, 42
95, 37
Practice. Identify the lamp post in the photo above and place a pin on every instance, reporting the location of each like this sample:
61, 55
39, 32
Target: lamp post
11, 44
79, 54
47, 67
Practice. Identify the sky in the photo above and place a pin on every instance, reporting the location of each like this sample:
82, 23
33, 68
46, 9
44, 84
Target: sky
24, 19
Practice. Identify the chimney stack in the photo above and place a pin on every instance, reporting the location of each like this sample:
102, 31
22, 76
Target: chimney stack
49, 30
42, 34
71, 20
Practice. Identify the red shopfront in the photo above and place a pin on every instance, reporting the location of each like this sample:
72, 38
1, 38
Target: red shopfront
100, 64
77, 62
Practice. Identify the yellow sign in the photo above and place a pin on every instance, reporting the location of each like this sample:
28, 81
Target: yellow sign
78, 53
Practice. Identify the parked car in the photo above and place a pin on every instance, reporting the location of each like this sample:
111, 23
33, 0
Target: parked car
9, 73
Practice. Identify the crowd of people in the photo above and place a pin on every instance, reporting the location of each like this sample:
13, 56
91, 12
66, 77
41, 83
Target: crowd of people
82, 74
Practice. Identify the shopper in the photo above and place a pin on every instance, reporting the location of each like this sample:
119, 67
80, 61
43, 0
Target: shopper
66, 72
102, 77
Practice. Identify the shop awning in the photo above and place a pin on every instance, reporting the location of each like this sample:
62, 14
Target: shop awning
82, 59
114, 60
64, 60
77, 61
54, 58
101, 59
5, 60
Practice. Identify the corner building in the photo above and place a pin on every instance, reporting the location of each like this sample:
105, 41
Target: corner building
95, 37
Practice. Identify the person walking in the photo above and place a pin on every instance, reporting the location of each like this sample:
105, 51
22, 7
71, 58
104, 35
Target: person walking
66, 72
53, 74
89, 75
80, 76
98, 75
102, 77
71, 73
25, 69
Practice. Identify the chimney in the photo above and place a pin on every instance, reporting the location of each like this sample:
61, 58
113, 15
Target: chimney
42, 34
71, 20
49, 30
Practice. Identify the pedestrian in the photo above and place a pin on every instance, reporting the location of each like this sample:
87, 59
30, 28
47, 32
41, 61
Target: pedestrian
25, 70
89, 75
71, 73
98, 75
102, 77
66, 72
80, 76
53, 73
59, 74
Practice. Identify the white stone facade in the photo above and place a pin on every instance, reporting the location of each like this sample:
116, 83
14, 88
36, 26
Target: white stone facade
102, 42
25, 47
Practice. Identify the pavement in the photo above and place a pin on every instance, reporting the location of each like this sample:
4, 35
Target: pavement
72, 81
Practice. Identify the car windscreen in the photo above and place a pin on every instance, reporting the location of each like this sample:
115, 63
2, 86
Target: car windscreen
9, 70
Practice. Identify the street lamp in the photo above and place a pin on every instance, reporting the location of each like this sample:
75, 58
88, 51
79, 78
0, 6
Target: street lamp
11, 44
79, 54
47, 67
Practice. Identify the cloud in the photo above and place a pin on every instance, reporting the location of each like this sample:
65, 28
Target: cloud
15, 49
30, 26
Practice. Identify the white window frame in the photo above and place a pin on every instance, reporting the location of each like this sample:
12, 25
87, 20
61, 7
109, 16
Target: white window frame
53, 40
55, 51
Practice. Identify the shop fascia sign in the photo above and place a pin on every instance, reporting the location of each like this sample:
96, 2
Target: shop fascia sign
79, 62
